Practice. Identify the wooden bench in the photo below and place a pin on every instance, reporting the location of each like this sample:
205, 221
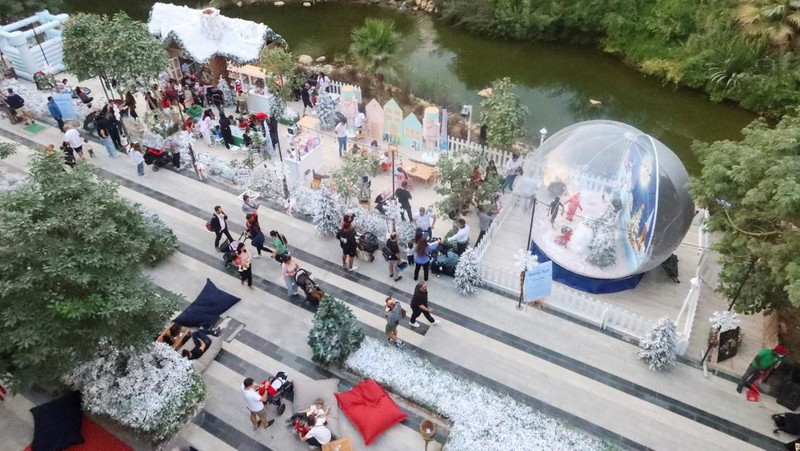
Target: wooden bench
420, 171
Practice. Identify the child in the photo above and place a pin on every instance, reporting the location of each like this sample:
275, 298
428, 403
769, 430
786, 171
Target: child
217, 132
88, 147
410, 253
201, 170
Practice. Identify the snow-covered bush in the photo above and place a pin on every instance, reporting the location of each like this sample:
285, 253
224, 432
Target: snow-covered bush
482, 418
724, 320
335, 332
327, 216
370, 221
525, 260
154, 390
658, 346
405, 229
305, 200
327, 111
468, 272
162, 242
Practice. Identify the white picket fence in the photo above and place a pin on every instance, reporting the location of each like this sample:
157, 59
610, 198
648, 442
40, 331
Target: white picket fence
497, 222
456, 145
336, 88
688, 311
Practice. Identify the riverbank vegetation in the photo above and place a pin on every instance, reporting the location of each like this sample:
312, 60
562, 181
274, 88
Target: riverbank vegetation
742, 51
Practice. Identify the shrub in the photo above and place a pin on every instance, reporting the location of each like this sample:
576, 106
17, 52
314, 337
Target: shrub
153, 391
161, 241
335, 332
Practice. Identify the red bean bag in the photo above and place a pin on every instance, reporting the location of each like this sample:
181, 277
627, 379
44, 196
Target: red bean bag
370, 409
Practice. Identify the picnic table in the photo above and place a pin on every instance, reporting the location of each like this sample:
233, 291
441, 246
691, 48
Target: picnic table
420, 171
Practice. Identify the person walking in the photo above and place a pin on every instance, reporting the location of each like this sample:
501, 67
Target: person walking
225, 128
69, 155
403, 196
393, 313
55, 111
244, 261
289, 268
485, 219
422, 257
419, 306
103, 132
218, 100
73, 137
255, 404
305, 94
257, 237
341, 136
512, 168
205, 126
274, 137
130, 104
393, 256
279, 241
241, 102
152, 102
323, 83
219, 226
347, 240
138, 159
249, 205
765, 361
425, 220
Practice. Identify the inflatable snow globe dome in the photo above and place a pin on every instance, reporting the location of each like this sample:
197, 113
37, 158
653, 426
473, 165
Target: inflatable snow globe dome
613, 202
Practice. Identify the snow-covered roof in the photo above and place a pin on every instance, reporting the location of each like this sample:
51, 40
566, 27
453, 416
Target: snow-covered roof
204, 33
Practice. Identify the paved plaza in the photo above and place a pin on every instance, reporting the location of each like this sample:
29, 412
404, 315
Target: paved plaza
590, 380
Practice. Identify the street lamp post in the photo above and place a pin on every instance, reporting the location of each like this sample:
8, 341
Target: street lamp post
466, 111
527, 249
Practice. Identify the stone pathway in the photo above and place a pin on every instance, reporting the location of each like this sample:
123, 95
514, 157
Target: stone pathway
590, 380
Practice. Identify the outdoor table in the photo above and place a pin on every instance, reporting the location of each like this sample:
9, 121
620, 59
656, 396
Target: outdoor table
343, 444
420, 171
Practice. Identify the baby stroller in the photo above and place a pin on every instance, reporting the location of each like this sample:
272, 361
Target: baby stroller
444, 260
157, 157
367, 244
276, 387
313, 292
228, 249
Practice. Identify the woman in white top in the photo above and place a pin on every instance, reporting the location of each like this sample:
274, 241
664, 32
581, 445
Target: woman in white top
205, 126
323, 82
317, 436
511, 170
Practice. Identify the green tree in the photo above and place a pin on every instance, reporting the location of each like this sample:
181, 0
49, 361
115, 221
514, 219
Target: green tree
776, 21
503, 115
71, 262
112, 48
457, 187
7, 149
752, 190
11, 10
279, 64
335, 332
374, 43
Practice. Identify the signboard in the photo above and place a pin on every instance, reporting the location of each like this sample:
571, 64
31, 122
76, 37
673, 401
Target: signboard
538, 281
64, 103
728, 344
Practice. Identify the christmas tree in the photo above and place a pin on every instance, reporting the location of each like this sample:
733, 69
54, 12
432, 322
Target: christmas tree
327, 111
603, 248
328, 213
658, 347
468, 272
405, 229
227, 93
335, 332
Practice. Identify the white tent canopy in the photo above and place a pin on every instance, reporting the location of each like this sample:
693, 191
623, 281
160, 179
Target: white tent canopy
204, 33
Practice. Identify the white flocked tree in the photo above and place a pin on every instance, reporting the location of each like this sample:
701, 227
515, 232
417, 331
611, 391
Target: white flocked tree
658, 346
468, 272
328, 214
327, 109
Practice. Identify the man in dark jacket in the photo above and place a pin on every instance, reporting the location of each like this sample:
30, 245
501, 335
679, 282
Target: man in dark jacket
347, 240
17, 105
218, 99
219, 226
225, 128
403, 196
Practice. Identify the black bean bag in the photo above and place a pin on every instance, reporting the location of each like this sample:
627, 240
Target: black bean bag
57, 424
207, 308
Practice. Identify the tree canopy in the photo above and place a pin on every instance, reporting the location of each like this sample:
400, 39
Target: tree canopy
374, 43
117, 48
752, 190
504, 115
71, 256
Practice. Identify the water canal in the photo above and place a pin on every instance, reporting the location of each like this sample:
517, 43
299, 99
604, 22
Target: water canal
555, 81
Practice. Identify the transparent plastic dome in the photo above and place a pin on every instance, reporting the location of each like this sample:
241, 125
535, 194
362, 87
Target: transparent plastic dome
612, 200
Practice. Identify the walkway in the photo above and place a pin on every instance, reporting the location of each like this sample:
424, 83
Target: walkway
591, 380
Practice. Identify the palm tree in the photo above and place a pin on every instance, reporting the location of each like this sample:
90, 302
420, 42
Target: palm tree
374, 43
776, 21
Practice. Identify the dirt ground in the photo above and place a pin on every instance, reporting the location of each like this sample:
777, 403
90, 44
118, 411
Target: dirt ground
790, 332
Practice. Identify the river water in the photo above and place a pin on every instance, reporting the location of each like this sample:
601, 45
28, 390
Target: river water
449, 65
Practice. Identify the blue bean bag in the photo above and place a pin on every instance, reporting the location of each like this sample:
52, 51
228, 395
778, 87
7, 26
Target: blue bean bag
207, 308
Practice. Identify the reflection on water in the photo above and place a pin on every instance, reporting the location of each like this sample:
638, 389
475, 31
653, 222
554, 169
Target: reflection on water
555, 81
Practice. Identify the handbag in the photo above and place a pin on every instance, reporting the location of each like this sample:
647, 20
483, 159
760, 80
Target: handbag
208, 226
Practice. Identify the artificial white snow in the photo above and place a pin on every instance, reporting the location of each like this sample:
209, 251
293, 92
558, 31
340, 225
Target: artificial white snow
482, 418
658, 347
525, 260
724, 320
203, 36
467, 277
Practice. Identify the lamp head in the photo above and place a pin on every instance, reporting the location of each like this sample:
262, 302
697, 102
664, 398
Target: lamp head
466, 110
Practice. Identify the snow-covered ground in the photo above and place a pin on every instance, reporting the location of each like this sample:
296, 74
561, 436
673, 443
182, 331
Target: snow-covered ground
482, 418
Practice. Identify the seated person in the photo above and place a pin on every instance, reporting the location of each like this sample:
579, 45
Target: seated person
248, 141
217, 132
174, 336
318, 435
302, 426
195, 111
201, 342
385, 162
318, 413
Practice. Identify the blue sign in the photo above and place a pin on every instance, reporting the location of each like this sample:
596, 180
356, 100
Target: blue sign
538, 281
64, 103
